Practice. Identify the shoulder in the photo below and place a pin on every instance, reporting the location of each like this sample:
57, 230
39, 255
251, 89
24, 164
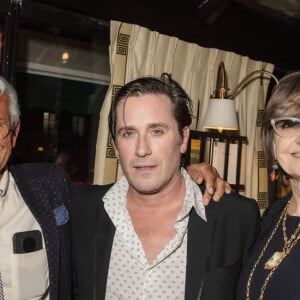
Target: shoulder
38, 171
272, 213
40, 177
86, 197
87, 205
42, 183
235, 202
235, 209
277, 206
91, 190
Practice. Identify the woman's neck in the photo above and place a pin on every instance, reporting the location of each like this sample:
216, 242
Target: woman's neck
294, 208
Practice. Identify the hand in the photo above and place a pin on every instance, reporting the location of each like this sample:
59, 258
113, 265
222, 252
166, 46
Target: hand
215, 186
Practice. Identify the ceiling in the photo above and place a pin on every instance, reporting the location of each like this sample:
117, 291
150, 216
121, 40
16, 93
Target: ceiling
289, 8
267, 30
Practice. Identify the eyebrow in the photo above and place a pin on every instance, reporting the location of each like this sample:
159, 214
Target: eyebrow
151, 125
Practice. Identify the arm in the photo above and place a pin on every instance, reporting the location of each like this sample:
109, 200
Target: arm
215, 186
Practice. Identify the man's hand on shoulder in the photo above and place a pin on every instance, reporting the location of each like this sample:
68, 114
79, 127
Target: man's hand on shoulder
215, 186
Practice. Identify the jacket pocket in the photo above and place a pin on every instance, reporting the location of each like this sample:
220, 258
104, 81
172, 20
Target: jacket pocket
220, 282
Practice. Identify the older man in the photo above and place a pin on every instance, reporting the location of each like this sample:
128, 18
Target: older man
35, 260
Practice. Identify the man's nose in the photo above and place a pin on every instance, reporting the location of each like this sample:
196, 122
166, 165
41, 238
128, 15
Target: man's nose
143, 147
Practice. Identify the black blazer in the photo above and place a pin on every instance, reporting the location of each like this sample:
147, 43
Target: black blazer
45, 190
215, 251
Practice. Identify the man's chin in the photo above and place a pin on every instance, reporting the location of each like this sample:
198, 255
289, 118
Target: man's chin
146, 189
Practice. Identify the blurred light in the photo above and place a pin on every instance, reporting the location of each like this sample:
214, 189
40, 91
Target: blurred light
65, 57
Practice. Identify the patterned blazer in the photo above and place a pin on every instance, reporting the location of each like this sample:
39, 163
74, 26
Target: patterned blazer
45, 190
215, 252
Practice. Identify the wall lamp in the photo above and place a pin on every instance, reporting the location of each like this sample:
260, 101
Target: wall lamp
221, 113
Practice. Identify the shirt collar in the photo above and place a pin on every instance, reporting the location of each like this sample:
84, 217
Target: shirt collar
193, 196
4, 183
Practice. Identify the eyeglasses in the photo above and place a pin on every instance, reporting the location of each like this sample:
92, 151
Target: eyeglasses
286, 127
5, 130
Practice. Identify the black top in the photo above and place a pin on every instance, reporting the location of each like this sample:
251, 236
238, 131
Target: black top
284, 283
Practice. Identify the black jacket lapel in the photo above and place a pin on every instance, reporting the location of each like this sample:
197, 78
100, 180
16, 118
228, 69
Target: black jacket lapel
105, 231
200, 235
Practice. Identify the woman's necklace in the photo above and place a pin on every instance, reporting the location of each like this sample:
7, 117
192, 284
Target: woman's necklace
278, 256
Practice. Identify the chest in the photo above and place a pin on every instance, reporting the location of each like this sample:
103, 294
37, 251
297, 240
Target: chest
130, 276
155, 229
16, 218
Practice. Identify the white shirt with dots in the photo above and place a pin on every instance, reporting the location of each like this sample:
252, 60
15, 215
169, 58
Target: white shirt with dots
130, 276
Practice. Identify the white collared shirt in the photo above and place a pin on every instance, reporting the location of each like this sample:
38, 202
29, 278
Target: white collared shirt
24, 275
130, 275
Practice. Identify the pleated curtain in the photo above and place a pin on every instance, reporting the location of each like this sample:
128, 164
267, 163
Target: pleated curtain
137, 51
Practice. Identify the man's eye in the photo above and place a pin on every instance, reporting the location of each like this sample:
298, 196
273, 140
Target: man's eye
127, 133
157, 132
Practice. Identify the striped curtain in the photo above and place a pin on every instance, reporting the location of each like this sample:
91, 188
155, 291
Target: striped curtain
136, 51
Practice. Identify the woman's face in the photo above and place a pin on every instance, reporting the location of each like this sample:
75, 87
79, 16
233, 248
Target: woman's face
287, 153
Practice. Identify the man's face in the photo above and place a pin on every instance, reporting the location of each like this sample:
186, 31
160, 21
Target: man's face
148, 142
7, 144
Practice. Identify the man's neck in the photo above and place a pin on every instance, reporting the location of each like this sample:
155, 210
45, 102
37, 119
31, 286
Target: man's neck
154, 216
172, 193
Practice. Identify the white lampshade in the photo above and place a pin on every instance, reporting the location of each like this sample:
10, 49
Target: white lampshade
221, 115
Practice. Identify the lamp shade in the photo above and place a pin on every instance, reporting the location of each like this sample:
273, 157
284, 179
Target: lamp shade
221, 115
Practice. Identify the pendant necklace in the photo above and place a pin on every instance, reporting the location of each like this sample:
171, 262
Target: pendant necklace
278, 256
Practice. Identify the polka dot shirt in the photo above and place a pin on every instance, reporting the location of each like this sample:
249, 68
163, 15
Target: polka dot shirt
130, 276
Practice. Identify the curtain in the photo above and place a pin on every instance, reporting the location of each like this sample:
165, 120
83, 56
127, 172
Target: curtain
136, 51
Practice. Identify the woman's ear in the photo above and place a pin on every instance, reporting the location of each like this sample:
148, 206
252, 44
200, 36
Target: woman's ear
274, 151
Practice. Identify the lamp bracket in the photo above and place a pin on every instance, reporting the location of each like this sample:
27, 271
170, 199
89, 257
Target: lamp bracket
258, 74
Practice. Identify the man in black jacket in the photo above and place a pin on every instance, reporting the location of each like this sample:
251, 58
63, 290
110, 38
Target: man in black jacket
35, 241
149, 236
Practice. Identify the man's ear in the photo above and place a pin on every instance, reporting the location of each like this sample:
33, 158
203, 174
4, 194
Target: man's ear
15, 134
116, 150
185, 140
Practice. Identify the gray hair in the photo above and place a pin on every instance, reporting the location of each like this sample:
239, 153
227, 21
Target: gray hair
13, 103
284, 102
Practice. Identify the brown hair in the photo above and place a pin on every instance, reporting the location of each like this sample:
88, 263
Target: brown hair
284, 102
152, 85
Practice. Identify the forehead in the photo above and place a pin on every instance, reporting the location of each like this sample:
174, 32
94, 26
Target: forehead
4, 109
145, 107
293, 112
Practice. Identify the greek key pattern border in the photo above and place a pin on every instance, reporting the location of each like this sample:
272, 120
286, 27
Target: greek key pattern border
122, 44
262, 200
259, 118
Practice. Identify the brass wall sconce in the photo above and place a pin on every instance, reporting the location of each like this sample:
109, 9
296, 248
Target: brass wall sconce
221, 113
